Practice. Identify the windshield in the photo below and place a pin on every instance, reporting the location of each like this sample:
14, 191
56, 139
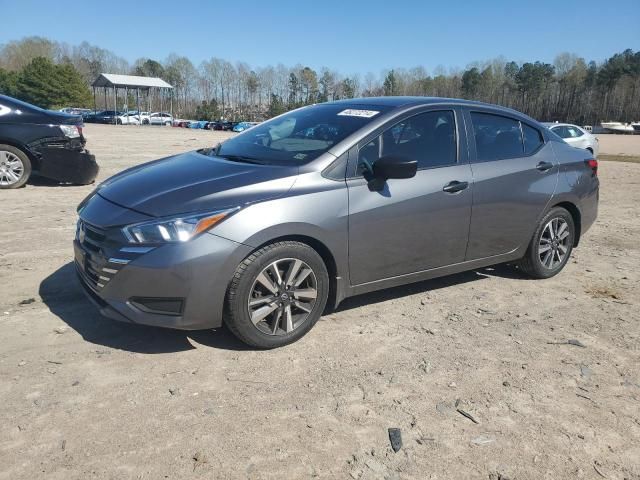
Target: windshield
299, 136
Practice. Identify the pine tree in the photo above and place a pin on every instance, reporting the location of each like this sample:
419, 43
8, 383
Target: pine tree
52, 86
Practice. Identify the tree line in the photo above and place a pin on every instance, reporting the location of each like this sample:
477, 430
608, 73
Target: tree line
571, 89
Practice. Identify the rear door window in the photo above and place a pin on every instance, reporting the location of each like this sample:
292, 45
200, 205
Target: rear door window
497, 137
574, 132
561, 131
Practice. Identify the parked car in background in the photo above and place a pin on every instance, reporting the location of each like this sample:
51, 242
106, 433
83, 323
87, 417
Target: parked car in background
34, 141
160, 118
107, 116
141, 117
199, 124
76, 111
129, 118
182, 123
242, 126
326, 202
575, 136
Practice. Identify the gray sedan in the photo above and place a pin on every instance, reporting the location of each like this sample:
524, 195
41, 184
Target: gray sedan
329, 201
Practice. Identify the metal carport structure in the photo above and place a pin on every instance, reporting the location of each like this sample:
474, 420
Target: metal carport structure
112, 81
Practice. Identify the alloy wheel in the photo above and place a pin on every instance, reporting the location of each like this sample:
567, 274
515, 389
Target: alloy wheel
11, 168
553, 246
282, 296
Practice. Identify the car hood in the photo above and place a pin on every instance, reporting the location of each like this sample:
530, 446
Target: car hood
193, 182
64, 118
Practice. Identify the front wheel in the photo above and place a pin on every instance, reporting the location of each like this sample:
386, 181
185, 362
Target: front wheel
15, 167
277, 294
551, 245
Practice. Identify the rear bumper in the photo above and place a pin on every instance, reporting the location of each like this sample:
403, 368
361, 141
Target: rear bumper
589, 210
196, 272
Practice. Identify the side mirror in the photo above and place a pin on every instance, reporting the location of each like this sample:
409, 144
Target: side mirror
391, 166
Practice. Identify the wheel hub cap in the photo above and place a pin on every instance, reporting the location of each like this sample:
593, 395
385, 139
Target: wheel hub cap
554, 243
283, 296
11, 168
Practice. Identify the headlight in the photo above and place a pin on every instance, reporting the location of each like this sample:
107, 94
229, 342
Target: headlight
70, 131
175, 230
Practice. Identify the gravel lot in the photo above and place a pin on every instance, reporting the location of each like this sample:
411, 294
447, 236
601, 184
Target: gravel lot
84, 397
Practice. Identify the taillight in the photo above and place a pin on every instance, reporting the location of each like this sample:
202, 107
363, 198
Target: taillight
593, 165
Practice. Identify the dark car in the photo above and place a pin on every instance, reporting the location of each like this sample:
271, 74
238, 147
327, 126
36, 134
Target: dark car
327, 202
42, 142
107, 116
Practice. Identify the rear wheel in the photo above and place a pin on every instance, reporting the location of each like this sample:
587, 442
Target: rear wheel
277, 294
551, 245
15, 167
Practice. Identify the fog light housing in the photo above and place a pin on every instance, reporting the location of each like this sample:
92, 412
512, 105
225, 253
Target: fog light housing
159, 305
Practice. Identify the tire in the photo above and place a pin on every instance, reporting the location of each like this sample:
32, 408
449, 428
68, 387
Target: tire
145, 122
167, 124
13, 161
279, 327
543, 262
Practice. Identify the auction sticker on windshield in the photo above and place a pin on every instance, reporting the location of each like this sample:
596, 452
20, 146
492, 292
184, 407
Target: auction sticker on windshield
351, 112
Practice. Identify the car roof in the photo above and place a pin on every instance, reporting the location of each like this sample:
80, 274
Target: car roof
402, 101
413, 101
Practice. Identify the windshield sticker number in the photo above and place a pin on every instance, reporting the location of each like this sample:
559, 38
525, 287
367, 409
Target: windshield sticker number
351, 112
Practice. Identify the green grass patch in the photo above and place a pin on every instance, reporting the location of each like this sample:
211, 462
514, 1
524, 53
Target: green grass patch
619, 158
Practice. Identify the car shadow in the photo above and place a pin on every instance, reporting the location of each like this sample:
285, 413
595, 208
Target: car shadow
36, 181
62, 293
502, 271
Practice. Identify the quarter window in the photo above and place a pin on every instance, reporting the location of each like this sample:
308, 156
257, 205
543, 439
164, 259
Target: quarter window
532, 139
429, 138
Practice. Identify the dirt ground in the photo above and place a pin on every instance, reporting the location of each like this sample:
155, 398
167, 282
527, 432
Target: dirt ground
83, 397
611, 144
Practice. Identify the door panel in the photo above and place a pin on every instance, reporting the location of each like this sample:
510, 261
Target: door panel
508, 198
409, 226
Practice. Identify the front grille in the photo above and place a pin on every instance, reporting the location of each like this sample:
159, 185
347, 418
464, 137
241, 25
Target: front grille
94, 261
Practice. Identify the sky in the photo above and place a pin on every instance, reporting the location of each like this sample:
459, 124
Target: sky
350, 36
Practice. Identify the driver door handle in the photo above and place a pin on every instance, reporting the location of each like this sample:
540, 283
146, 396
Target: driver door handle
544, 166
455, 186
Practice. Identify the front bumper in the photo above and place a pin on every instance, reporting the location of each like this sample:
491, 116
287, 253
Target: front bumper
196, 272
64, 160
71, 166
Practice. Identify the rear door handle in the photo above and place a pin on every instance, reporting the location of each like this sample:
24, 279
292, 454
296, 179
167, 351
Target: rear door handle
455, 186
544, 166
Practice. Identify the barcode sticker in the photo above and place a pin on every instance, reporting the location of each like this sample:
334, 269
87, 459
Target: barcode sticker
351, 112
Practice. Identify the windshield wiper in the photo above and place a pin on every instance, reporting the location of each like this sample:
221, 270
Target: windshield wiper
243, 159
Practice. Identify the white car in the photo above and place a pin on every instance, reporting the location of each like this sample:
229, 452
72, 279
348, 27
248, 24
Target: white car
160, 118
575, 136
129, 118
